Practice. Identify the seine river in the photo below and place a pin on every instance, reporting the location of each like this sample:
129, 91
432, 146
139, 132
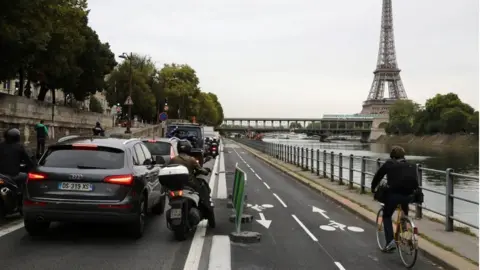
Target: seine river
463, 161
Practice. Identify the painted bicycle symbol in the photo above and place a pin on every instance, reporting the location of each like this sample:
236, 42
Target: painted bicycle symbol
258, 207
333, 226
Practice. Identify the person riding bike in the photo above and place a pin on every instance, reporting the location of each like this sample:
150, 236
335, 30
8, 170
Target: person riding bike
98, 130
401, 184
12, 155
184, 149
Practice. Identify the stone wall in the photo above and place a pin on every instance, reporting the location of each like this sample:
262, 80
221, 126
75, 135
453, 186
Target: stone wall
24, 113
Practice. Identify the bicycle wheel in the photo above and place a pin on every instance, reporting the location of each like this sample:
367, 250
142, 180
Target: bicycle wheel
379, 228
408, 243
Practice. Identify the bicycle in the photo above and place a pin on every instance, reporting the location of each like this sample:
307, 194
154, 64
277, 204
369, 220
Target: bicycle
405, 235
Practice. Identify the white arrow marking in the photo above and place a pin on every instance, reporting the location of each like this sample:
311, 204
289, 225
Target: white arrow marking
320, 211
264, 222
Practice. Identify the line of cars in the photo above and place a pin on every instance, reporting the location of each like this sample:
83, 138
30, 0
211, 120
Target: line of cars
99, 179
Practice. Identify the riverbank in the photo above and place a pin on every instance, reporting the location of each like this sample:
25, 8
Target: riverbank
457, 140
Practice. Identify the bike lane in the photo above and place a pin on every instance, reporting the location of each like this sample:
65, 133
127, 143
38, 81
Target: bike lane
346, 237
284, 244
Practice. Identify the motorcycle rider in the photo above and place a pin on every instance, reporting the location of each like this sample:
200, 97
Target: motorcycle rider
98, 130
184, 149
12, 155
401, 185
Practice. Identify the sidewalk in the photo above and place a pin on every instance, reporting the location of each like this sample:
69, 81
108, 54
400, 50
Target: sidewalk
455, 249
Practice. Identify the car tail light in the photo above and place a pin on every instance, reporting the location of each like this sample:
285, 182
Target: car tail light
177, 193
152, 141
36, 176
84, 146
119, 179
172, 153
32, 203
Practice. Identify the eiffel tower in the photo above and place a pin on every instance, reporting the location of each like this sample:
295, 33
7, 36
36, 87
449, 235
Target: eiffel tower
387, 72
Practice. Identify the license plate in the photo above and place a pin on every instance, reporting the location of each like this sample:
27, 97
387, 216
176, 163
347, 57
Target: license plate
75, 186
176, 213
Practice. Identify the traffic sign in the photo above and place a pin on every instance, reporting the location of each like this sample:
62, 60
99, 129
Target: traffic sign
163, 116
129, 101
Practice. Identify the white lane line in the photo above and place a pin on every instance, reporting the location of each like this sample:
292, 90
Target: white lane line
280, 200
339, 265
305, 228
248, 165
222, 181
258, 176
195, 252
266, 185
213, 177
11, 228
220, 256
252, 170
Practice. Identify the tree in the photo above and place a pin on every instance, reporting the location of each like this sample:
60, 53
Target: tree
95, 105
294, 125
441, 114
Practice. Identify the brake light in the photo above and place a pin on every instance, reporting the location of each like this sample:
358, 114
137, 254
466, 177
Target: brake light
36, 176
214, 148
119, 179
152, 141
172, 153
177, 193
84, 146
415, 230
32, 203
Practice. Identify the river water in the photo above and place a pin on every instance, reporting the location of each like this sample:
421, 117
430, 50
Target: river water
463, 161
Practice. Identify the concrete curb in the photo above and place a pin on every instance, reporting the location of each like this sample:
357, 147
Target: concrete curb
440, 255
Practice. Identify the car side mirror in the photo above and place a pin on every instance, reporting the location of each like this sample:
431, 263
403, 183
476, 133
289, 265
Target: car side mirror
148, 162
159, 160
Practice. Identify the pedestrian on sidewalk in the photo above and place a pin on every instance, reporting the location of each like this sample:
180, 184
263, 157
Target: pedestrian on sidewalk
42, 134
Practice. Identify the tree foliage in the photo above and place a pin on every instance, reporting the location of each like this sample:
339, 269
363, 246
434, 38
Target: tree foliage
95, 105
178, 84
49, 43
441, 114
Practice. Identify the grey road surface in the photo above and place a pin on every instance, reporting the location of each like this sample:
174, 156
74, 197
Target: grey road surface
299, 236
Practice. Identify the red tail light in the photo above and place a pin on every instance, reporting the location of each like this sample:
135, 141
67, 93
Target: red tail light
152, 141
415, 230
36, 176
214, 148
119, 179
84, 146
177, 193
32, 203
172, 153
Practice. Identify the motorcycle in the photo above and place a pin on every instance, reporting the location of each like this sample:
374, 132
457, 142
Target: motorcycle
11, 195
214, 149
186, 210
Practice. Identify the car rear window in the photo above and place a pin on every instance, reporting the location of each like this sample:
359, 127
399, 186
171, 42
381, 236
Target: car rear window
158, 148
84, 159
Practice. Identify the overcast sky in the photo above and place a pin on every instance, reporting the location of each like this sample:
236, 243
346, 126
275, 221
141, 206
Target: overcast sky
302, 58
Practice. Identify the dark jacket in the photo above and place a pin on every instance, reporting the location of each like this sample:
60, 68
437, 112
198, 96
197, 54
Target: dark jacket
98, 131
11, 156
401, 177
189, 162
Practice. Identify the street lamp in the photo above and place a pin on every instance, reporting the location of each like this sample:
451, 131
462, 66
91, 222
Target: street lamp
129, 58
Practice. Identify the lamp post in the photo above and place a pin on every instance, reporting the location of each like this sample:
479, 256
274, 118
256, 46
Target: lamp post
129, 104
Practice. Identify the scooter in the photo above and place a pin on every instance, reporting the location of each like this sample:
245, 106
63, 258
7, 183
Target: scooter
186, 210
214, 149
10, 195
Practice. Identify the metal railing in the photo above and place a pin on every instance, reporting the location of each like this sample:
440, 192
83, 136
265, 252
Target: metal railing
341, 168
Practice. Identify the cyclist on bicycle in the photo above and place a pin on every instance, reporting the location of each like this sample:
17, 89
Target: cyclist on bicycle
401, 184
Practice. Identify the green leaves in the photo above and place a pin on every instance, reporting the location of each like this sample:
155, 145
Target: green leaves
50, 42
150, 87
442, 114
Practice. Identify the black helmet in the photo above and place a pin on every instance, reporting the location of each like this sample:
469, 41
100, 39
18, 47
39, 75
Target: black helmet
397, 152
184, 146
12, 135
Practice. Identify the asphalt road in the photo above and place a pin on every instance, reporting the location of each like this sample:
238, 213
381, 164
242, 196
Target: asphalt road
294, 239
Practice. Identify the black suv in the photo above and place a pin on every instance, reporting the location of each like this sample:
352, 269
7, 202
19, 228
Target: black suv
192, 132
93, 179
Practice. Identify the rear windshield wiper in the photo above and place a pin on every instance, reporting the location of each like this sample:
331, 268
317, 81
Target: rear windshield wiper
89, 167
